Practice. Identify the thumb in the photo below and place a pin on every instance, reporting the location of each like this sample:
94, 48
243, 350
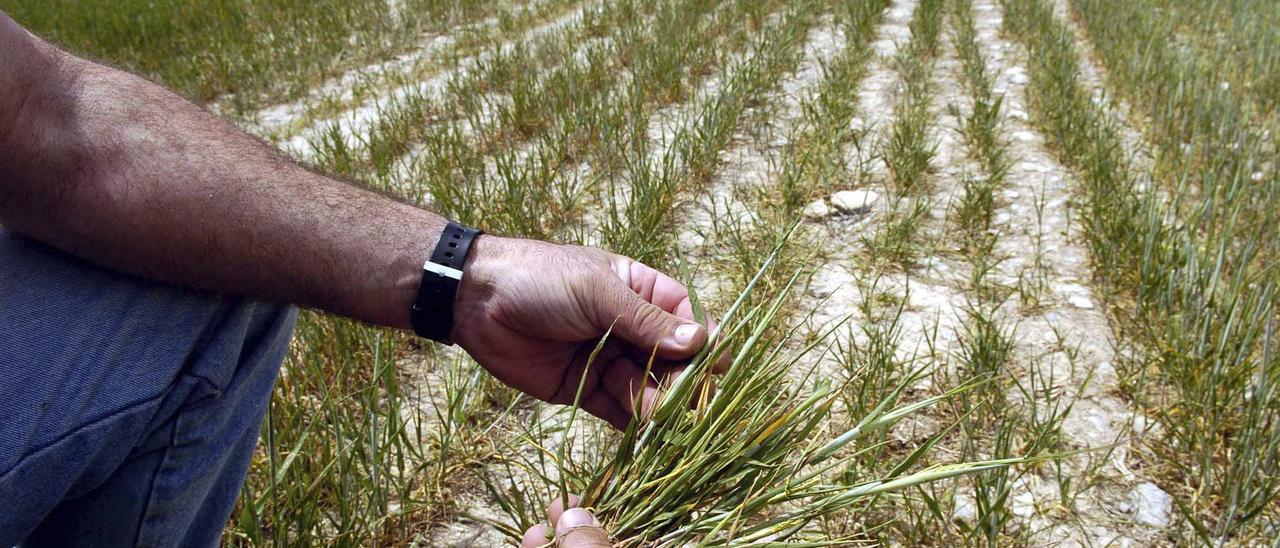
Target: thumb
646, 325
577, 528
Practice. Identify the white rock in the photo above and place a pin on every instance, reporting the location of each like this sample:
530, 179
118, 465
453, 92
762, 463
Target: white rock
1024, 135
816, 209
854, 201
1077, 295
1142, 425
1080, 301
1151, 505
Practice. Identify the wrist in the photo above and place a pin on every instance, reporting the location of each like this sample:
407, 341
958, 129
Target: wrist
490, 256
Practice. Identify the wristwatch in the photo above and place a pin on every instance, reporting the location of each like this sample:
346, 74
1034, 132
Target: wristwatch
431, 314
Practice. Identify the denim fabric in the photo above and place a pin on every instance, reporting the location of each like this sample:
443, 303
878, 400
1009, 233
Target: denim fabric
129, 410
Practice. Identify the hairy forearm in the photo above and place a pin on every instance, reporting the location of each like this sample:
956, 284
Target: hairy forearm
117, 170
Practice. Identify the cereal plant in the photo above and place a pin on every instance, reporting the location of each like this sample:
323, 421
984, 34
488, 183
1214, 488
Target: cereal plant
985, 272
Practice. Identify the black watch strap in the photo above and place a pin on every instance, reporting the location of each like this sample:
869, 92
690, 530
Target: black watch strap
432, 312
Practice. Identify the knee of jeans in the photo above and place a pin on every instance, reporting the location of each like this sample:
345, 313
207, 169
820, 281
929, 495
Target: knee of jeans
229, 376
248, 339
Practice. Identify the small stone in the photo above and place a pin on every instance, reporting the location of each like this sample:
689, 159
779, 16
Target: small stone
1144, 426
1024, 135
816, 209
1080, 301
1151, 505
854, 201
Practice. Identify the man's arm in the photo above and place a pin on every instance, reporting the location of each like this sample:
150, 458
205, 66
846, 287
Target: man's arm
115, 169
119, 171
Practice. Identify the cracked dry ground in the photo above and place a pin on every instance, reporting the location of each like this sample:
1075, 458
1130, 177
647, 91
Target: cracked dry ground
1034, 283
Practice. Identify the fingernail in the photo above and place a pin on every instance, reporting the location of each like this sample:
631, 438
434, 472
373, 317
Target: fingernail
576, 517
685, 333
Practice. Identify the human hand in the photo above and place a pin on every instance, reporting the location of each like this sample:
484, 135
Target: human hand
575, 528
531, 313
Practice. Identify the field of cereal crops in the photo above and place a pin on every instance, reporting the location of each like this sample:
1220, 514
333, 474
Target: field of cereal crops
1034, 236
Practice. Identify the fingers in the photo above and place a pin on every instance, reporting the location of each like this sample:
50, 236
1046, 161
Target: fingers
700, 395
655, 287
603, 405
669, 295
556, 508
577, 528
626, 384
724, 360
537, 536
652, 310
647, 326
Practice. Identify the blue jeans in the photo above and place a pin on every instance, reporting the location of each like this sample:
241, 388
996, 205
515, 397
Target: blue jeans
129, 410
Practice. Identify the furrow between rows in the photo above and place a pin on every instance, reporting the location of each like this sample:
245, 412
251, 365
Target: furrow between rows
353, 125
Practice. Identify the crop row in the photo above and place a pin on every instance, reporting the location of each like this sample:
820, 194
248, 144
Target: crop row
1181, 260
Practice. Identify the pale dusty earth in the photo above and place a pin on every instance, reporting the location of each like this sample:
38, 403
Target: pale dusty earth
292, 126
1066, 340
